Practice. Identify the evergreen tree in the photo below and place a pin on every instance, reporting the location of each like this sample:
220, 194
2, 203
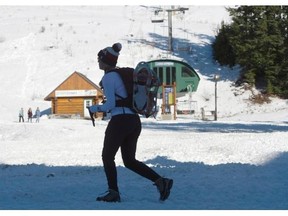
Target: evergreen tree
258, 39
283, 74
222, 49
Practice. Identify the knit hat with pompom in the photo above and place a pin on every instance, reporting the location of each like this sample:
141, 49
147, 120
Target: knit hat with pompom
109, 55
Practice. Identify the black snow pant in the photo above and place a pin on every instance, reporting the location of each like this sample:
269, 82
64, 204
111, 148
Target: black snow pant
123, 132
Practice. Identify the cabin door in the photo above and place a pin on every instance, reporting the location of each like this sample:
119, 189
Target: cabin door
87, 102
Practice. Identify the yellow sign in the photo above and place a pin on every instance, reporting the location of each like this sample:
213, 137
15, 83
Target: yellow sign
170, 98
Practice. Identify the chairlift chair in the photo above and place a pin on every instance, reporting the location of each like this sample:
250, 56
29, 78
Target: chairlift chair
156, 18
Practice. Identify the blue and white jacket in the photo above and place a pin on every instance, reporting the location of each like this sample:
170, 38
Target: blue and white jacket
113, 86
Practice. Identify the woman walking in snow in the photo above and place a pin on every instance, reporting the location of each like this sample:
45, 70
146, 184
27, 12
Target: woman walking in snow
122, 131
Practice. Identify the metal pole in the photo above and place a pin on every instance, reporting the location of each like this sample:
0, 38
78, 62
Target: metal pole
215, 114
170, 47
216, 78
170, 43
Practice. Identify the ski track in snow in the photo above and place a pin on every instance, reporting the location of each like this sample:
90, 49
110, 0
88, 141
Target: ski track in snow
31, 63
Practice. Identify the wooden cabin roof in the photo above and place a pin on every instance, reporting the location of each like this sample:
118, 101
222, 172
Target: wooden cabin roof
76, 81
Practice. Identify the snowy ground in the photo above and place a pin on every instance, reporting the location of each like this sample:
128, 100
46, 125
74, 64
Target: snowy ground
56, 164
237, 163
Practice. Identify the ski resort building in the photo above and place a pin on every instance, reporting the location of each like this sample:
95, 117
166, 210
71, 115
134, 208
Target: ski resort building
172, 71
178, 80
73, 95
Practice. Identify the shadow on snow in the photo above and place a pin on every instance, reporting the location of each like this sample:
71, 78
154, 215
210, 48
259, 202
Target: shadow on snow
217, 127
197, 54
196, 186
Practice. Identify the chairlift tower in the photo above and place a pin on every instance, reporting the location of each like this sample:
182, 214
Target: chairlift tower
169, 11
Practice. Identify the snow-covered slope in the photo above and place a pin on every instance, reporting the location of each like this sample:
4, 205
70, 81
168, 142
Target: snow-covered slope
42, 45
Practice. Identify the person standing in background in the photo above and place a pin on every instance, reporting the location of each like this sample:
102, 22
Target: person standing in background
21, 115
30, 114
37, 114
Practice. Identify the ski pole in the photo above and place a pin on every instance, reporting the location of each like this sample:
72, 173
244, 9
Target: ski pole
91, 116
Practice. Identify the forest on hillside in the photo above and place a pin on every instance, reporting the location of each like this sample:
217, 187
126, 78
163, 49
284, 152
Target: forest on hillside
257, 41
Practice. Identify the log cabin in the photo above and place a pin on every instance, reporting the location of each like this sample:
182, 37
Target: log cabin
73, 95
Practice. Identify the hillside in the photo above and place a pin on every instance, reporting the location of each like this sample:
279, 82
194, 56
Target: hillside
42, 45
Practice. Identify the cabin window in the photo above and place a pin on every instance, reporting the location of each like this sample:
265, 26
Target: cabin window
173, 75
159, 72
186, 72
168, 76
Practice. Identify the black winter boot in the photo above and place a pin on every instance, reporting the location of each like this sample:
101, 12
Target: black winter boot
111, 196
164, 185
